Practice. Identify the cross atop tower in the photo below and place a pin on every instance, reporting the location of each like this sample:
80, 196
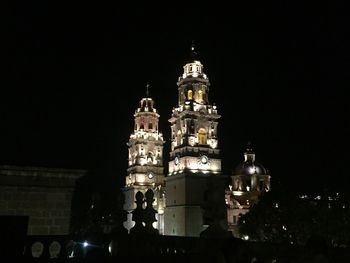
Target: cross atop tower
193, 54
147, 91
249, 147
192, 45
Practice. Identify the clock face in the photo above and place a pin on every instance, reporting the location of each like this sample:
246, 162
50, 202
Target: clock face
204, 159
150, 175
177, 160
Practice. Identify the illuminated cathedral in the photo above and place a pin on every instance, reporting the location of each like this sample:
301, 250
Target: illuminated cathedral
145, 161
194, 161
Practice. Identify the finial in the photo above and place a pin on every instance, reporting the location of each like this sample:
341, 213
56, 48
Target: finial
147, 91
192, 46
249, 147
249, 144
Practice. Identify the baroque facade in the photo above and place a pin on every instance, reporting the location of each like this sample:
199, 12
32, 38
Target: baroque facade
194, 155
194, 164
145, 161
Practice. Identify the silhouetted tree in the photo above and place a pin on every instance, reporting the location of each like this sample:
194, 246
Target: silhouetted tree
283, 216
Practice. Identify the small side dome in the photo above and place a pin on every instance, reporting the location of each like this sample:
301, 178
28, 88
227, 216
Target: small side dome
249, 166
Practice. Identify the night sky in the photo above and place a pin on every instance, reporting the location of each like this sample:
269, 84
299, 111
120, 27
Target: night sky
75, 73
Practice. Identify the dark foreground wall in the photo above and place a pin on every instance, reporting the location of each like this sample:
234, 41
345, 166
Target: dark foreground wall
131, 248
42, 194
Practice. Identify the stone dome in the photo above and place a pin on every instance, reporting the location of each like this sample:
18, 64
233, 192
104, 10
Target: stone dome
249, 166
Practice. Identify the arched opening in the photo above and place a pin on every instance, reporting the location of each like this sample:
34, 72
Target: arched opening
202, 136
200, 96
150, 157
189, 95
142, 124
178, 137
254, 182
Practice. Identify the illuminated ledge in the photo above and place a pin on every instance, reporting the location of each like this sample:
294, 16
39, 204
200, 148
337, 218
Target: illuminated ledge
237, 193
193, 173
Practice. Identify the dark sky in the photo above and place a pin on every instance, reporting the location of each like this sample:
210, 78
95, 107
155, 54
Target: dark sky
75, 72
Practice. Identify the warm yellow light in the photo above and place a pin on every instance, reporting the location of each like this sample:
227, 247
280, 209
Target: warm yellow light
189, 94
140, 178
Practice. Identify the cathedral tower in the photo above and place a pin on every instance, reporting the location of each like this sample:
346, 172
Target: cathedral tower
145, 160
194, 155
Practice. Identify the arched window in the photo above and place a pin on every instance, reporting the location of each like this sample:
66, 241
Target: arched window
150, 157
142, 124
200, 95
192, 127
178, 137
202, 138
189, 95
254, 182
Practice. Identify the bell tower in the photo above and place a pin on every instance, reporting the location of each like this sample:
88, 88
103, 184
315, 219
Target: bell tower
194, 152
145, 161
